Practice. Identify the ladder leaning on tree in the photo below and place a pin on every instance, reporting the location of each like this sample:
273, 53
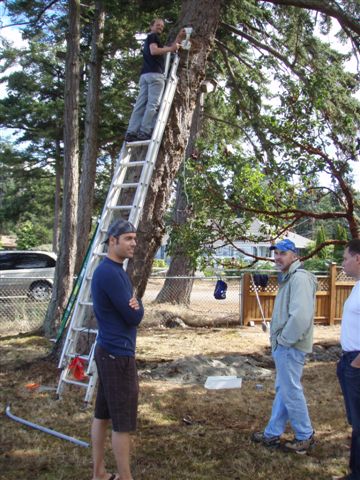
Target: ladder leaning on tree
125, 199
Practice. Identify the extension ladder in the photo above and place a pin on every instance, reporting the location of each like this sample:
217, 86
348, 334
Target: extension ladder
125, 199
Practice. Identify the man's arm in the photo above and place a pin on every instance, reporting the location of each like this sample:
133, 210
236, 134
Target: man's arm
301, 310
128, 306
156, 50
174, 47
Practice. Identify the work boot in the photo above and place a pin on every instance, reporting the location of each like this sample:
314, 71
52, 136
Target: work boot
300, 446
142, 137
131, 137
270, 442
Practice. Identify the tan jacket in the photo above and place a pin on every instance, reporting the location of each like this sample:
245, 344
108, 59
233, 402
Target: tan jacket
292, 320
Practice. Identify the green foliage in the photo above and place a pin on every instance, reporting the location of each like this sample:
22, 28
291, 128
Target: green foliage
341, 234
325, 252
232, 266
26, 236
262, 265
208, 271
317, 264
34, 104
280, 118
159, 263
27, 193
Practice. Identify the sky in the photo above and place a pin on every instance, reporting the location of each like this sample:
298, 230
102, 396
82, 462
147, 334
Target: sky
12, 34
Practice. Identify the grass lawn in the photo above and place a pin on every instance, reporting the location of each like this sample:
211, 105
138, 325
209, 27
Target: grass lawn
184, 431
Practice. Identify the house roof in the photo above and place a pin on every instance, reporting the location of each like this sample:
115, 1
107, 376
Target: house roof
8, 242
257, 229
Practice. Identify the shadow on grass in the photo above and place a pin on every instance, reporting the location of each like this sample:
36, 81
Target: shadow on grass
184, 432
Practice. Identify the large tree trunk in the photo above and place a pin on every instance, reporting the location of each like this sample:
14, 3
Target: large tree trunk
66, 259
57, 200
203, 16
90, 153
178, 290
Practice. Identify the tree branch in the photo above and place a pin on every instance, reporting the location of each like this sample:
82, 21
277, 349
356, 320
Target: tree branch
322, 245
36, 19
233, 53
265, 47
323, 6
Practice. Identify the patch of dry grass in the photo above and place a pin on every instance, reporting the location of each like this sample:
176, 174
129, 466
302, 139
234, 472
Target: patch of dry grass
185, 432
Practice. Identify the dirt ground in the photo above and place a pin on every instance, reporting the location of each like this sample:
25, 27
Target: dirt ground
185, 431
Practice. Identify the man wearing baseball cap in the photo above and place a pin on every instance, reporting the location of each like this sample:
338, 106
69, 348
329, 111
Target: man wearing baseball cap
118, 313
291, 336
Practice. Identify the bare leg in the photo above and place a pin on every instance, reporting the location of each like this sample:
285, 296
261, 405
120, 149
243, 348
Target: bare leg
98, 437
121, 449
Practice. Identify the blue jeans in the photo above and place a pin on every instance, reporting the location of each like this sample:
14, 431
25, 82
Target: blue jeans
349, 379
289, 403
147, 103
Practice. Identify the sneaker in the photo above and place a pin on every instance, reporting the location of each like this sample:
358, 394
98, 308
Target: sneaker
271, 442
142, 137
131, 137
300, 446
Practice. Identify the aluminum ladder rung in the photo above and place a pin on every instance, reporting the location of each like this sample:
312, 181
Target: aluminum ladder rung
122, 208
138, 143
75, 382
127, 185
86, 358
85, 304
137, 163
85, 330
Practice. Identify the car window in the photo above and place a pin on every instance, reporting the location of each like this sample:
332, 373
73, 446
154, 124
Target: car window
18, 261
6, 261
33, 260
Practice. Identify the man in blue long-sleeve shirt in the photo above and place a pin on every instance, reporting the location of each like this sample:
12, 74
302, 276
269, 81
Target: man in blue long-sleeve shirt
118, 313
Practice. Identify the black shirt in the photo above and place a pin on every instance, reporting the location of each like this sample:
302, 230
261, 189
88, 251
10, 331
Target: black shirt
152, 63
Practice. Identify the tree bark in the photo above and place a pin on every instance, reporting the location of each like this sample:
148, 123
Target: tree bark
178, 290
203, 16
66, 259
57, 200
90, 153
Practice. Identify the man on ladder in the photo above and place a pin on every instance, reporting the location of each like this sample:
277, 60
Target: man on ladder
152, 82
118, 313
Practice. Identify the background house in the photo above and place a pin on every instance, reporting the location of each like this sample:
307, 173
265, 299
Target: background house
259, 248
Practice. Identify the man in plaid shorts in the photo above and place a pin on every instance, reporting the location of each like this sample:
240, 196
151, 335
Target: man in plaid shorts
118, 313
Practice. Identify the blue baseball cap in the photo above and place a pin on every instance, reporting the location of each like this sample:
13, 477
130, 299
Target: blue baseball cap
285, 245
118, 228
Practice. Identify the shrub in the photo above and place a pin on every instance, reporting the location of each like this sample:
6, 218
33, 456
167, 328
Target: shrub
159, 263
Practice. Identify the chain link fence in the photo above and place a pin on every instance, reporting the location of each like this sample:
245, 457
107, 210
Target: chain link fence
202, 300
22, 310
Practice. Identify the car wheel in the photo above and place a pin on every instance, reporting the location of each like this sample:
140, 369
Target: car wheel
40, 291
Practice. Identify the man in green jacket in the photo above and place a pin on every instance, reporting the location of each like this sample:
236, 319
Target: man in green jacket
291, 336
